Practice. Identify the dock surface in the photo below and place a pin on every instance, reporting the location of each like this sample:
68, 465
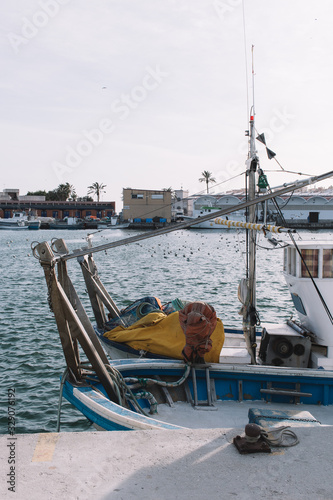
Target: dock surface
164, 465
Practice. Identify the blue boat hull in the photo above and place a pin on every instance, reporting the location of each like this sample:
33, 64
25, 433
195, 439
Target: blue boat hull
230, 383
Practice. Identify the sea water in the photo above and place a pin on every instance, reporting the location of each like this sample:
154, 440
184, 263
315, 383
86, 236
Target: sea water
189, 264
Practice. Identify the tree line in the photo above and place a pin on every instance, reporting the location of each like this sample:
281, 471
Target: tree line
66, 192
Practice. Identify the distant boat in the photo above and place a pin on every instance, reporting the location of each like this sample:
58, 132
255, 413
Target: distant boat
212, 223
112, 223
13, 226
125, 225
69, 223
34, 224
19, 220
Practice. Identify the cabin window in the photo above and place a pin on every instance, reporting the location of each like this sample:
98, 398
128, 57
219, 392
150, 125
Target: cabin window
289, 264
285, 259
328, 263
292, 262
310, 257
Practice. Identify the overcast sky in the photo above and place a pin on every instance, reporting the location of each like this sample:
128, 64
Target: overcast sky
149, 93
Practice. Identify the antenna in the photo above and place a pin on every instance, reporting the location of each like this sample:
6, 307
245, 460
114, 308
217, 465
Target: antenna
252, 54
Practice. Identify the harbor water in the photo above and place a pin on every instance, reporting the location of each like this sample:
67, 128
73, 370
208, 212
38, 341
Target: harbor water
189, 264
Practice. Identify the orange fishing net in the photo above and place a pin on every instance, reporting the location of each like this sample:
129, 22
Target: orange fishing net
198, 321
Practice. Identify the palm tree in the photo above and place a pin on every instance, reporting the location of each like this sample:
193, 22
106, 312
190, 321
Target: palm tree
73, 195
207, 177
173, 194
63, 191
97, 189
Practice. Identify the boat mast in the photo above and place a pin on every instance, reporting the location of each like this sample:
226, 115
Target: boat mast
251, 164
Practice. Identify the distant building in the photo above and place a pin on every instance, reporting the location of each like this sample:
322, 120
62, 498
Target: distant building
297, 211
11, 201
306, 209
180, 203
9, 194
146, 205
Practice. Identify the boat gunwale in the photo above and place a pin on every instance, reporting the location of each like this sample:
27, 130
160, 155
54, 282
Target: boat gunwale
109, 412
164, 364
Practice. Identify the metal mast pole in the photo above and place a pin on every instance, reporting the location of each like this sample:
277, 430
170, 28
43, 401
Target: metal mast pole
252, 164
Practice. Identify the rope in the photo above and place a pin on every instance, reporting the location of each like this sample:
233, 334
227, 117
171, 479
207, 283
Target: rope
63, 380
152, 401
248, 225
281, 436
144, 382
123, 391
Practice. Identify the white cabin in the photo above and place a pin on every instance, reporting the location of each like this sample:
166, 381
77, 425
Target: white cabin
311, 309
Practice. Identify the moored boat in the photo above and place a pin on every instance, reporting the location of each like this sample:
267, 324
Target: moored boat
213, 223
19, 220
119, 394
64, 224
13, 226
274, 367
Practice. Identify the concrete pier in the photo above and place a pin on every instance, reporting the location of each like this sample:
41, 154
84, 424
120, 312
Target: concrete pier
164, 465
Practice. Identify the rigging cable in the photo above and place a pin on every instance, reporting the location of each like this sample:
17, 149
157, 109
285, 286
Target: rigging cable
290, 172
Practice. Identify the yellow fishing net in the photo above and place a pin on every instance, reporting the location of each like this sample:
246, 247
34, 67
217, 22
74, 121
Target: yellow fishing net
162, 334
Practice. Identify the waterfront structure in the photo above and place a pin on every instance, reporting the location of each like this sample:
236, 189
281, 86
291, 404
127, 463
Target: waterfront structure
144, 205
305, 210
180, 203
11, 201
312, 209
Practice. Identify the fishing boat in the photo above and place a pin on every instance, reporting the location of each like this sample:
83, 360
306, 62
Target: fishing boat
275, 372
212, 223
19, 220
13, 225
71, 223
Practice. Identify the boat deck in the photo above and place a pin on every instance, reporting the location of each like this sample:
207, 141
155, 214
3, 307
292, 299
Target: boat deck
234, 414
234, 350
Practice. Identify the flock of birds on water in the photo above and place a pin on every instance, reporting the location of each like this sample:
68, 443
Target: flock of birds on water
179, 252
165, 247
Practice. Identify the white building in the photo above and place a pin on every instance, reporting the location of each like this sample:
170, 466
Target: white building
306, 209
180, 204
